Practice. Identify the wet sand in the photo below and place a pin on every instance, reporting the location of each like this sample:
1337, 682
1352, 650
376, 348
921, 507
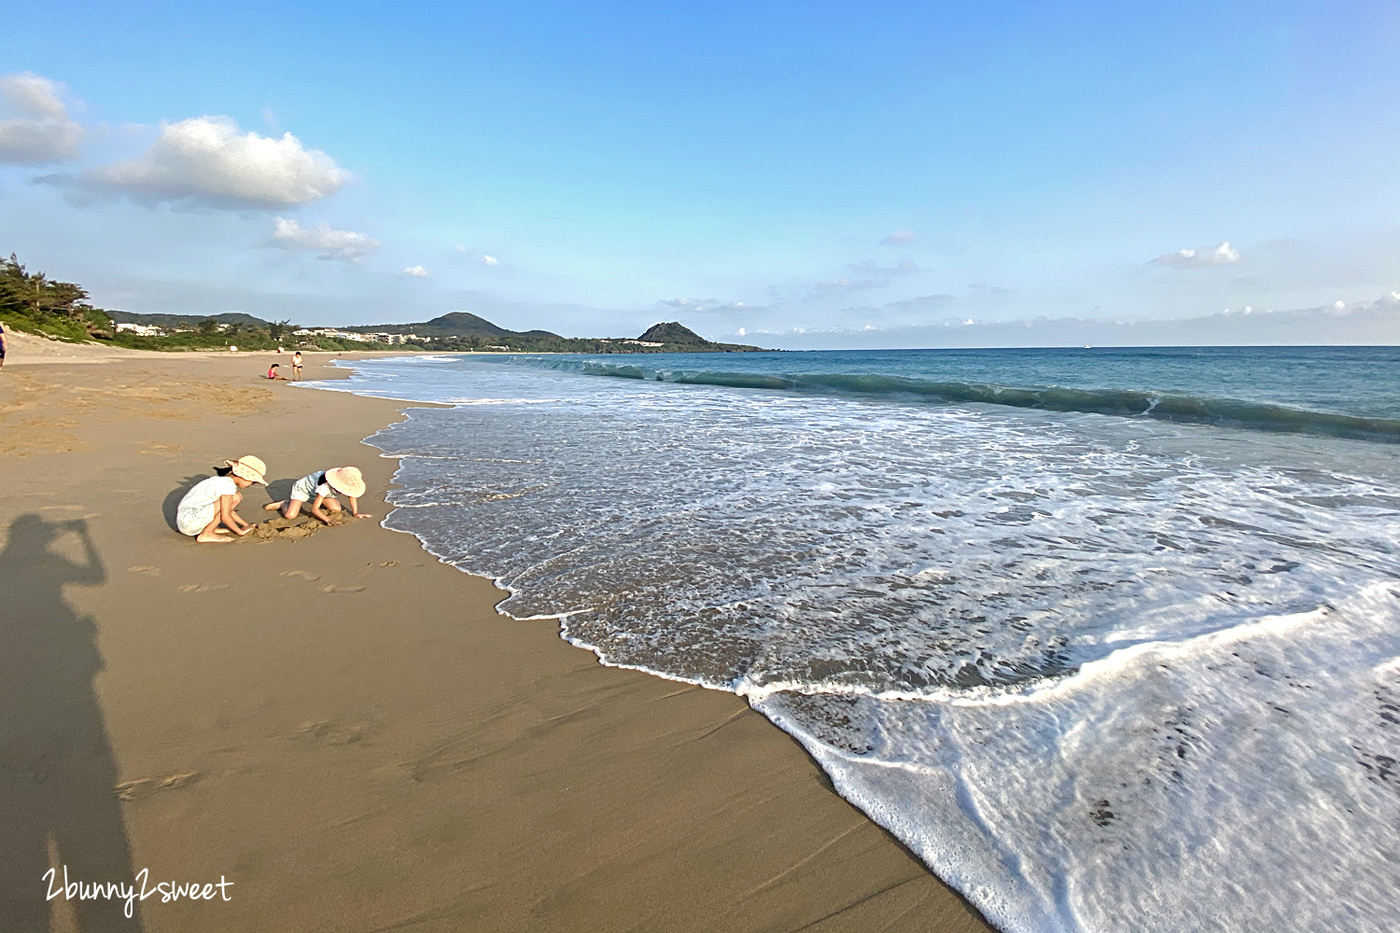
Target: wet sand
340, 725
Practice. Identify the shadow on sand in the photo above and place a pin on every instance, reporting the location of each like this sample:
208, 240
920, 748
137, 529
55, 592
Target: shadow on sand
170, 508
57, 774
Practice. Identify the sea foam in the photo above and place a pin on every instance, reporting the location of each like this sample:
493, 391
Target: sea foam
1099, 672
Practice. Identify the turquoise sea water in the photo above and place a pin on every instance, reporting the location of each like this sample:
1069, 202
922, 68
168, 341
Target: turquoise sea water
1111, 638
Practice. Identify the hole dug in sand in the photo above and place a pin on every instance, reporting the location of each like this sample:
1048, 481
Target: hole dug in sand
302, 526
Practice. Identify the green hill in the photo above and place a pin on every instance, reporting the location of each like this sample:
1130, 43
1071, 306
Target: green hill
185, 320
462, 330
456, 324
673, 332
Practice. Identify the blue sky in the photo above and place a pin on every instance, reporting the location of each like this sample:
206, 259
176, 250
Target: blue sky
812, 174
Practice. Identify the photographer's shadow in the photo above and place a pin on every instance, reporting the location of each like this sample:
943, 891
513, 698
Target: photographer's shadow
57, 773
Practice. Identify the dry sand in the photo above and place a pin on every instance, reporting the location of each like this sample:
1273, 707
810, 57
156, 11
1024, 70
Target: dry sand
340, 725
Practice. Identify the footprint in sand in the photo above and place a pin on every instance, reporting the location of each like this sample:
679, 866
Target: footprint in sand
202, 587
310, 577
148, 571
331, 732
389, 563
145, 787
167, 450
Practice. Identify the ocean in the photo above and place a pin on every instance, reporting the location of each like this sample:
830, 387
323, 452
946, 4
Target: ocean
1110, 638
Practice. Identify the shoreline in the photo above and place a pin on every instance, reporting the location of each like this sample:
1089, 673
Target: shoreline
343, 726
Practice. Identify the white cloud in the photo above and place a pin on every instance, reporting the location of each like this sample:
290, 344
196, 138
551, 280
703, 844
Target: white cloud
922, 303
900, 238
866, 275
706, 305
328, 242
210, 161
484, 259
41, 130
418, 272
1202, 256
1359, 323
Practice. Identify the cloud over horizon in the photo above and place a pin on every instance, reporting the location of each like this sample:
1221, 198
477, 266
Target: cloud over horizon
1200, 257
899, 238
866, 274
324, 240
209, 161
42, 130
418, 272
1357, 323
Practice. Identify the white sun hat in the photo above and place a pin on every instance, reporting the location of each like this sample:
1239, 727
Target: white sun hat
249, 468
346, 481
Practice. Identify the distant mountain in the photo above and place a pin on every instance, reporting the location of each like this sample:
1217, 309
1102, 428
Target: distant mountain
456, 324
184, 320
673, 332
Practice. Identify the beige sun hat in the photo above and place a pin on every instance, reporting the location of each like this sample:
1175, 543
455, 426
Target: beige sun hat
346, 481
249, 468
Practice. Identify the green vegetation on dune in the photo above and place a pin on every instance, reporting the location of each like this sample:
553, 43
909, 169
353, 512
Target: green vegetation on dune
34, 303
187, 320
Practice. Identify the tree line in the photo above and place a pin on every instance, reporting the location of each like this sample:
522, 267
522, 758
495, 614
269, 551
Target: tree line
33, 302
50, 306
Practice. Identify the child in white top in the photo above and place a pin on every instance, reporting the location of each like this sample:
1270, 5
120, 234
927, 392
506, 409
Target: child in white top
320, 489
209, 508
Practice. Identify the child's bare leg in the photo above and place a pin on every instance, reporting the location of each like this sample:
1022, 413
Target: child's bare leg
332, 505
211, 533
288, 507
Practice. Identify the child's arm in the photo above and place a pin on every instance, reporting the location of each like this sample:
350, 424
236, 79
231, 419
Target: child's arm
231, 518
316, 510
355, 509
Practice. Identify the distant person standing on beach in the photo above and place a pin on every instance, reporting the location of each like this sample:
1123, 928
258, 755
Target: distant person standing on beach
212, 503
296, 365
4, 345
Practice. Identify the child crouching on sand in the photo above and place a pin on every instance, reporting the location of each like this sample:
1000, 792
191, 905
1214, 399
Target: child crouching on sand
321, 489
211, 503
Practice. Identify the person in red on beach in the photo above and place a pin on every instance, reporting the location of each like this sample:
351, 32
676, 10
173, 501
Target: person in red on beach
272, 372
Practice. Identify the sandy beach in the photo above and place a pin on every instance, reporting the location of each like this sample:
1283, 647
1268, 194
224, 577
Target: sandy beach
340, 726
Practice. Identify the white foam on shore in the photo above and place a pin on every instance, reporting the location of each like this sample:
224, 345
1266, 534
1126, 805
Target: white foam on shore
1100, 674
1242, 780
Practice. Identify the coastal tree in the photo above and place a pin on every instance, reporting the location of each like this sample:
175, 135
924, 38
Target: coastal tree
35, 296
